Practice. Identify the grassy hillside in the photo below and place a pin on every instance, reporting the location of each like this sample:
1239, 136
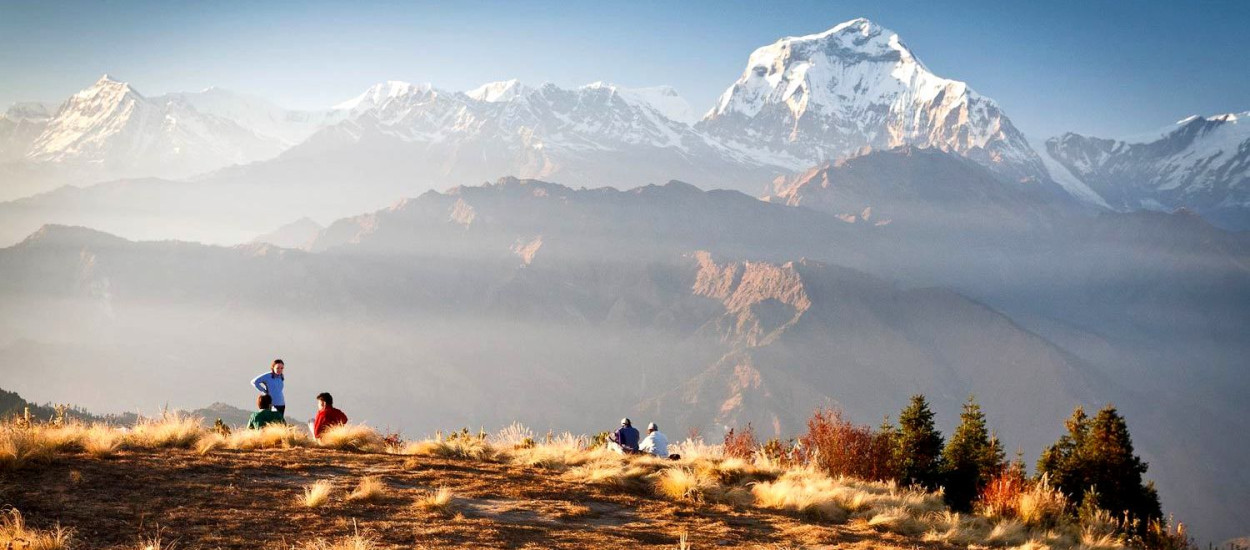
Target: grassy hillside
173, 482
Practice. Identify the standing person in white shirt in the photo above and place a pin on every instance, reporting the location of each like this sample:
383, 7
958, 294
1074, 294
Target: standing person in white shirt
656, 442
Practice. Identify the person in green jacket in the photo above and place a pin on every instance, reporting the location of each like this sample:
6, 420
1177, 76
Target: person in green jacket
265, 415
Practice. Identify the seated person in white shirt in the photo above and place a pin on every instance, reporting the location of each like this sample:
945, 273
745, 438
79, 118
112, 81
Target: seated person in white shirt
656, 442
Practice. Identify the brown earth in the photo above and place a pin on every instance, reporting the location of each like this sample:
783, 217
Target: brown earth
250, 500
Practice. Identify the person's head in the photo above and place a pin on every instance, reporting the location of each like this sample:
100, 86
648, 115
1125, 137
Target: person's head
652, 428
324, 399
625, 422
277, 367
263, 402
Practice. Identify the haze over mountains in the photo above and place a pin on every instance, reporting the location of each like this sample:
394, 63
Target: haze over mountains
910, 240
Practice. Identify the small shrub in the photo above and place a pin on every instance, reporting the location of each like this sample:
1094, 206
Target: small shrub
841, 448
316, 494
740, 444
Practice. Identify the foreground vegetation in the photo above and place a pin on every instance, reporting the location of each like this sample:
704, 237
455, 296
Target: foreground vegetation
837, 474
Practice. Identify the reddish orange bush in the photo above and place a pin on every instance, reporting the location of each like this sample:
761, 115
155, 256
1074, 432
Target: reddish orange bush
740, 444
843, 448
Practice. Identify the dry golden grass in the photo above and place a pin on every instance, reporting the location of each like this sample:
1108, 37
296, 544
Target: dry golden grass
172, 430
562, 453
463, 448
273, 436
353, 542
101, 440
22, 446
349, 437
1041, 505
15, 534
316, 494
441, 501
370, 489
684, 483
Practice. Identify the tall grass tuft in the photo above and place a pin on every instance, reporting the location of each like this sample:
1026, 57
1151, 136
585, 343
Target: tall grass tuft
316, 494
682, 483
355, 541
20, 446
371, 489
273, 436
353, 437
170, 431
15, 534
459, 445
441, 501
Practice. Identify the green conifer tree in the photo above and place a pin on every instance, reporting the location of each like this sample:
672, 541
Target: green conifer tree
919, 455
1095, 459
971, 458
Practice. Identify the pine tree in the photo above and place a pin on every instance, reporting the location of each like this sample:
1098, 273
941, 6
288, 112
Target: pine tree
1062, 461
919, 455
971, 459
1115, 471
1096, 459
885, 444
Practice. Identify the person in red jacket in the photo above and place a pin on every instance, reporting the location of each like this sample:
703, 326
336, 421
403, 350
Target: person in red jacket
327, 415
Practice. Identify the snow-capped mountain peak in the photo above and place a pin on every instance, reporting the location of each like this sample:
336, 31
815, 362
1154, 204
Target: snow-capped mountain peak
113, 126
498, 92
828, 95
663, 99
380, 93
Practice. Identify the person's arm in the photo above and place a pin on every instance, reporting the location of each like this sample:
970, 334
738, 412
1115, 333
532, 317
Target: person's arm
318, 423
259, 383
251, 422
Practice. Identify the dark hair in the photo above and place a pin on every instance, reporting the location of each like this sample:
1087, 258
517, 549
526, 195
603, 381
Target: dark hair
326, 398
263, 401
274, 365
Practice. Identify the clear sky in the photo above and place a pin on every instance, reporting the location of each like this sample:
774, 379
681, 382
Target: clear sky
1096, 67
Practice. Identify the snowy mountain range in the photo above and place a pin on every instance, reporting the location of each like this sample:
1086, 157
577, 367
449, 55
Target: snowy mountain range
800, 102
1199, 163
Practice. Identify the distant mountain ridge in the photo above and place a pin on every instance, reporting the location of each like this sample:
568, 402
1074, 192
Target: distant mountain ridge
1201, 163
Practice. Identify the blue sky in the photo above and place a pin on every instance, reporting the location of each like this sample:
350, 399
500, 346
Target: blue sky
1101, 68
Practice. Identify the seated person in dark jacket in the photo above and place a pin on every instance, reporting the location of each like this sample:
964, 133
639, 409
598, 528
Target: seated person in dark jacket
266, 415
625, 438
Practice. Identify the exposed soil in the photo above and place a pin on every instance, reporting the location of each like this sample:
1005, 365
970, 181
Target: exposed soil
251, 500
